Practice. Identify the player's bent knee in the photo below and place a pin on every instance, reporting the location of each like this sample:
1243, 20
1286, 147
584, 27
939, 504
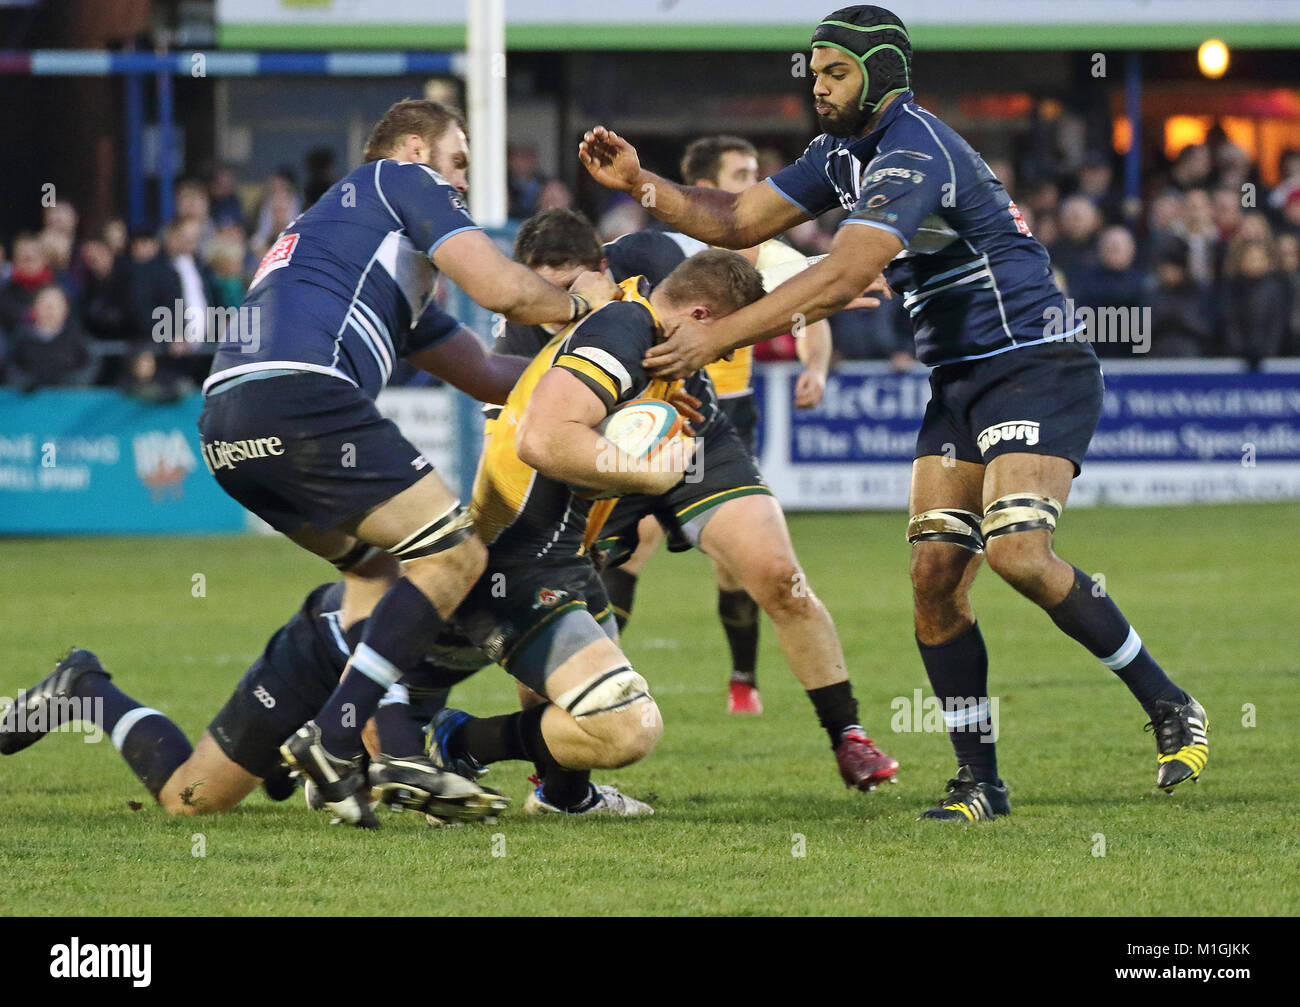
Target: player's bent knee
1017, 531
615, 709
628, 735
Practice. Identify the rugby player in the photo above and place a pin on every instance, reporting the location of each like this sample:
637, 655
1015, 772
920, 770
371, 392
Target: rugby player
295, 673
536, 610
291, 431
1013, 405
728, 513
729, 163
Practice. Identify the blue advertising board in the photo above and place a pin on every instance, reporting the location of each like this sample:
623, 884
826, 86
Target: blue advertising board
1201, 431
96, 461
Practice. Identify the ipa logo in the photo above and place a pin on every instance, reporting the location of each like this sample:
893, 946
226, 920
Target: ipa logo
163, 458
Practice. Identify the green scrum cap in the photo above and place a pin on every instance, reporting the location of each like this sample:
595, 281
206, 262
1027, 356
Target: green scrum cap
877, 41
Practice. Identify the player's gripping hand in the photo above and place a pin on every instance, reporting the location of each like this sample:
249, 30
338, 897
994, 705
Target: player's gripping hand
668, 464
684, 351
596, 289
610, 159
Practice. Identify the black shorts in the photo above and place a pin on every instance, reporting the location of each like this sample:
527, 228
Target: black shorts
726, 470
530, 619
305, 448
1043, 399
286, 686
742, 412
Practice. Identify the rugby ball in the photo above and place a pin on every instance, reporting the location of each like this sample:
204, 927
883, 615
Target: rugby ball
636, 428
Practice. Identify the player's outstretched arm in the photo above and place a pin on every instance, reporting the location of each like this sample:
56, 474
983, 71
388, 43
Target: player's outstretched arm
711, 215
814, 349
856, 259
464, 362
479, 268
557, 437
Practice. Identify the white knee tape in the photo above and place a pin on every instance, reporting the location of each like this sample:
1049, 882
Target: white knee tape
603, 693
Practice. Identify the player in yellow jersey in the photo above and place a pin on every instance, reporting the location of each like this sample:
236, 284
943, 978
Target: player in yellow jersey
729, 163
540, 610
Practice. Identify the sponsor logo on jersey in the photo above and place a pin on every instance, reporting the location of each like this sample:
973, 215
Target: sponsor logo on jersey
456, 202
901, 174
228, 454
1011, 430
547, 598
276, 257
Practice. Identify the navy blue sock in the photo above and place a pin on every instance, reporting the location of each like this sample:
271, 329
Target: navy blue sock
398, 635
1089, 616
569, 789
399, 732
959, 674
151, 744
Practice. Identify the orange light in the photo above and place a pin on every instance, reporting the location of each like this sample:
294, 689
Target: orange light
1212, 58
1121, 134
1183, 130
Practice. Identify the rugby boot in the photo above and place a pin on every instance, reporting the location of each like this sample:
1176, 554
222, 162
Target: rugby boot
1182, 747
602, 800
415, 782
968, 801
340, 784
743, 698
36, 711
861, 763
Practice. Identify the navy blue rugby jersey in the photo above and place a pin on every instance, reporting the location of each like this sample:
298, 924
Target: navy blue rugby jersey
973, 278
347, 288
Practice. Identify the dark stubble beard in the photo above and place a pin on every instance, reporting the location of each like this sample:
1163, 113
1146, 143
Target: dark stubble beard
841, 127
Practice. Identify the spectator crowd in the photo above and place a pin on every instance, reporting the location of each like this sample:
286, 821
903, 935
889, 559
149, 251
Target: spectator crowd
1209, 251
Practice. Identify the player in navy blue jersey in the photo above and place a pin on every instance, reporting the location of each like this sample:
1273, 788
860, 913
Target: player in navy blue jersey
291, 431
1014, 402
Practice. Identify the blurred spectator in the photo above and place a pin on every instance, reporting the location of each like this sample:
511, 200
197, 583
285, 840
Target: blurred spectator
1290, 167
61, 218
30, 272
1257, 308
105, 302
320, 174
1288, 257
1290, 222
226, 265
279, 207
192, 204
1073, 250
554, 195
524, 180
1198, 229
1226, 211
51, 349
174, 282
223, 199
116, 236
1182, 322
1233, 168
1191, 168
1115, 282
624, 217
1096, 184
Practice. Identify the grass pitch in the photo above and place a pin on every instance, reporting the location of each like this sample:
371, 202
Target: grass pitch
751, 817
